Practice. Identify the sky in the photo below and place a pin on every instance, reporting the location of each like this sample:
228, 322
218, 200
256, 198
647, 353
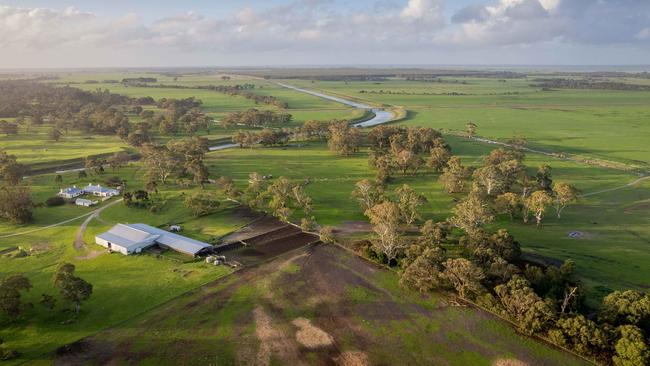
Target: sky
121, 33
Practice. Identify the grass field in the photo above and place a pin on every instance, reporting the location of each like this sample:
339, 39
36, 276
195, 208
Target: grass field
314, 306
123, 287
599, 123
611, 255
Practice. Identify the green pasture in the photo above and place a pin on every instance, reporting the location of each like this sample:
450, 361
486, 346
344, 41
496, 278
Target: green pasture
599, 123
611, 255
124, 287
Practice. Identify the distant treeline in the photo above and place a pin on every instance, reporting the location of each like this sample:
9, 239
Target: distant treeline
139, 80
243, 90
256, 118
26, 98
586, 84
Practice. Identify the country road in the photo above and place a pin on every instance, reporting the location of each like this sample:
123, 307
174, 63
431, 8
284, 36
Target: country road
90, 214
79, 239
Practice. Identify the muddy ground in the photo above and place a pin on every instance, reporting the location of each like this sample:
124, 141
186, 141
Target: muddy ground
318, 305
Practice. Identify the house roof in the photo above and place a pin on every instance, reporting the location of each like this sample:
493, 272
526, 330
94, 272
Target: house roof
71, 190
98, 188
133, 235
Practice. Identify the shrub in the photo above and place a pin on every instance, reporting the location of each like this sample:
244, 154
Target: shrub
326, 235
54, 201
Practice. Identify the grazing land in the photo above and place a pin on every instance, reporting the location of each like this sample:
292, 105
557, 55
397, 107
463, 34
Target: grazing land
318, 305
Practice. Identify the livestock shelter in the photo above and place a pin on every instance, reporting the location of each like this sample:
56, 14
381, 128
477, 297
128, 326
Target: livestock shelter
134, 238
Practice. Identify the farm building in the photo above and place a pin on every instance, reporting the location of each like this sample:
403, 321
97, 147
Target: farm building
133, 238
84, 202
99, 191
70, 192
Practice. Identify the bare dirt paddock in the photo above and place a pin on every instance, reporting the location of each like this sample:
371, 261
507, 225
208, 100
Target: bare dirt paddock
319, 305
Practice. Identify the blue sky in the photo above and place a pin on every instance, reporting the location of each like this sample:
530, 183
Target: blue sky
93, 33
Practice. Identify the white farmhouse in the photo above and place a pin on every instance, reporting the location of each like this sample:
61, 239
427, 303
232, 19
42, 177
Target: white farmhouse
99, 191
70, 192
133, 238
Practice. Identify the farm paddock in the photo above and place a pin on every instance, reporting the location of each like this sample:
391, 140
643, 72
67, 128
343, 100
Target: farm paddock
318, 305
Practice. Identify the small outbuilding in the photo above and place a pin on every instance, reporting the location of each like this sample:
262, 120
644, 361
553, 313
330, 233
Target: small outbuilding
84, 202
70, 192
133, 238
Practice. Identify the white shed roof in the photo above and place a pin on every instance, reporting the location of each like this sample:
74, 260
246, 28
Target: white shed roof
134, 235
177, 242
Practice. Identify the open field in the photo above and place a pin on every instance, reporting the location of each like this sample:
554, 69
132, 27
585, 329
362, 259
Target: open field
598, 123
123, 287
612, 254
315, 306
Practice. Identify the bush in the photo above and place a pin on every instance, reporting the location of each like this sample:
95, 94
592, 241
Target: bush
8, 354
326, 235
54, 201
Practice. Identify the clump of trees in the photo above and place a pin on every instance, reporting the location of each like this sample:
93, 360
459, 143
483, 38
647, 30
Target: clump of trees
245, 90
184, 157
255, 118
16, 204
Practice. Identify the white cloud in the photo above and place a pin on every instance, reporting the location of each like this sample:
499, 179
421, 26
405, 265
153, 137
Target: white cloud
318, 26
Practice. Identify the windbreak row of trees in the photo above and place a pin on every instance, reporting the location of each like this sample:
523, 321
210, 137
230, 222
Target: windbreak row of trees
244, 90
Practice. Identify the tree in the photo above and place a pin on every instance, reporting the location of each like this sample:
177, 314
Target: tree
580, 334
537, 203
438, 158
385, 219
11, 171
434, 233
117, 160
409, 201
95, 164
367, 193
254, 190
454, 175
626, 307
565, 194
343, 139
631, 347
302, 200
406, 159
73, 289
425, 273
55, 134
10, 295
280, 192
201, 204
508, 203
159, 162
58, 180
471, 215
464, 275
189, 154
524, 305
16, 204
82, 174
470, 129
543, 178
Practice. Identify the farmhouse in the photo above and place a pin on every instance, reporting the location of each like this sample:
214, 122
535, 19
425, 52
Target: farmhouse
133, 238
70, 192
99, 191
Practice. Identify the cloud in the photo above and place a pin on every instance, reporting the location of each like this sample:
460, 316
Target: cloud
304, 26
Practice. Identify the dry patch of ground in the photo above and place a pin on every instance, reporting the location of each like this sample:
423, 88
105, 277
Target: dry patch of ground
353, 358
311, 336
509, 362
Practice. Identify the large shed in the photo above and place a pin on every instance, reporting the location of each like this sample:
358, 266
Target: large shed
133, 238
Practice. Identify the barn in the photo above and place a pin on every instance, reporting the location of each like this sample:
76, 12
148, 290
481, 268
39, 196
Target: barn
133, 238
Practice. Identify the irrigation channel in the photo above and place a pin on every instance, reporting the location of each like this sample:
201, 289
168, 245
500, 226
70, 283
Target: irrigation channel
381, 116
